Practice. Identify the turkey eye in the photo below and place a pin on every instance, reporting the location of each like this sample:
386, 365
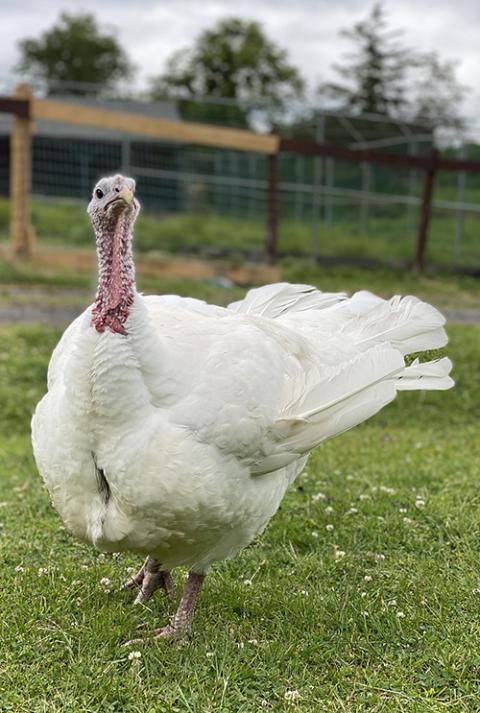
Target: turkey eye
99, 193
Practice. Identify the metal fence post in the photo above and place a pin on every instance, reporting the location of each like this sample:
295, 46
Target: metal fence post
364, 198
272, 181
461, 186
21, 232
426, 212
317, 187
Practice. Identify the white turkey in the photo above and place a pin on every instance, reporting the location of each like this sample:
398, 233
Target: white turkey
172, 428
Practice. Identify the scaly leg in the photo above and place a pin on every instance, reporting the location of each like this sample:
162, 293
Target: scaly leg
181, 625
150, 578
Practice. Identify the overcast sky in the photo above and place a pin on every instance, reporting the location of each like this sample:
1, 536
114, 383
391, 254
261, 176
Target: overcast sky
308, 29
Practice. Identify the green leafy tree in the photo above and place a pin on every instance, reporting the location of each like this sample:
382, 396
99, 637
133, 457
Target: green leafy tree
76, 53
233, 60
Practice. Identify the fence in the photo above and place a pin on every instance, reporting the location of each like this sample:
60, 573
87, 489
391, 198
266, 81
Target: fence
286, 181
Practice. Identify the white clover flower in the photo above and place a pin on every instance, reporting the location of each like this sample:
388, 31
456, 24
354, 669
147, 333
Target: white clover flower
363, 594
400, 615
364, 496
403, 510
339, 554
476, 590
304, 592
254, 642
315, 534
352, 511
419, 503
209, 654
19, 569
105, 583
329, 528
292, 696
368, 578
42, 571
392, 603
387, 491
318, 496
134, 655
329, 510
247, 582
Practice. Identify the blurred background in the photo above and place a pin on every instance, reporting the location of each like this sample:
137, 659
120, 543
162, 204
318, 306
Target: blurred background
361, 76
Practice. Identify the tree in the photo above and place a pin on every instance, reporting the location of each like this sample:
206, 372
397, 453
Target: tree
75, 52
375, 74
233, 60
382, 76
436, 95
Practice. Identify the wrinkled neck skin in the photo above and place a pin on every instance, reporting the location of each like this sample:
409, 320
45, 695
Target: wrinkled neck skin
116, 275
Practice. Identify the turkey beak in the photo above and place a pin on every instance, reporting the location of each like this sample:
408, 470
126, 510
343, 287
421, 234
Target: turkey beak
126, 195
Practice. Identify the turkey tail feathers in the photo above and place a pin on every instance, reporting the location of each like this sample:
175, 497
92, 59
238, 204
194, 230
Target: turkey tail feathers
373, 335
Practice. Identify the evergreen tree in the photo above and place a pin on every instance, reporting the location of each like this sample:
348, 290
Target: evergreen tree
383, 76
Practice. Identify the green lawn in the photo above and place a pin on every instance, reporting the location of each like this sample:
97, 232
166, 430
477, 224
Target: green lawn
362, 595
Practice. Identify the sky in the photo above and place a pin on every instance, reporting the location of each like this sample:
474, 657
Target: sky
150, 30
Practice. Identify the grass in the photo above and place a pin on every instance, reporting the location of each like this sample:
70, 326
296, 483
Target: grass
377, 613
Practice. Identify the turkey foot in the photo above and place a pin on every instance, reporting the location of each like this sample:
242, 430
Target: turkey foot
180, 628
150, 578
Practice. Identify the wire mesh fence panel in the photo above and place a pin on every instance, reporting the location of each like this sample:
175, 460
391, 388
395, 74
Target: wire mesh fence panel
195, 200
213, 202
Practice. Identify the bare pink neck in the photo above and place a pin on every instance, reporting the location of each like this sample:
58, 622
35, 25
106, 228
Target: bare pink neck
116, 278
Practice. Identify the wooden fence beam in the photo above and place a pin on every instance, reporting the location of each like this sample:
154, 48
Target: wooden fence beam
426, 212
21, 232
166, 129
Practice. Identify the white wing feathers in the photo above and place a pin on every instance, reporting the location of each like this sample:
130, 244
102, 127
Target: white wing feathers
275, 300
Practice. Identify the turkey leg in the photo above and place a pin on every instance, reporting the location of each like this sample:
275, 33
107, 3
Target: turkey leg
181, 625
150, 578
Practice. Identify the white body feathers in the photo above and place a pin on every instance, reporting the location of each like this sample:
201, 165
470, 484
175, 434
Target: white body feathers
180, 439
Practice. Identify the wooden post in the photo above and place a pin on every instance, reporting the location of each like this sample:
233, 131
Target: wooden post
271, 237
426, 212
21, 232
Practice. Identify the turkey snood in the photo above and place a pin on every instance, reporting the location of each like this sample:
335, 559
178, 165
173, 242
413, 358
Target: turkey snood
116, 277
